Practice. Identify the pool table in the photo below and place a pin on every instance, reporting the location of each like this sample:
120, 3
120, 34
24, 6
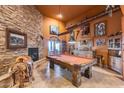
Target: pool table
78, 66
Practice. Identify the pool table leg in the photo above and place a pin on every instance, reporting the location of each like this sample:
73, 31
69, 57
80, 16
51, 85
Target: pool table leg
52, 64
76, 76
88, 72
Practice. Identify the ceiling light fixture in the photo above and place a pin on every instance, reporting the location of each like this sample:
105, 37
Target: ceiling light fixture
60, 14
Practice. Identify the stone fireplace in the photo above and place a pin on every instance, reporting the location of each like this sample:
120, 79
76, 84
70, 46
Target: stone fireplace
24, 19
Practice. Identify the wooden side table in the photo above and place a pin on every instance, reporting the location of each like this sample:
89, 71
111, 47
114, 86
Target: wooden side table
99, 60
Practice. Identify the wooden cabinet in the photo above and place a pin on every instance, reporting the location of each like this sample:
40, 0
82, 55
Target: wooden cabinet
115, 53
114, 42
116, 64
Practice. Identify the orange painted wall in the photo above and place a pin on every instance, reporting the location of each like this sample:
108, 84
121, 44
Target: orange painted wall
50, 21
122, 8
122, 24
113, 26
46, 23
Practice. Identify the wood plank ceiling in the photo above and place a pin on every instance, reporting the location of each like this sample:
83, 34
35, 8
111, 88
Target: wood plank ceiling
69, 12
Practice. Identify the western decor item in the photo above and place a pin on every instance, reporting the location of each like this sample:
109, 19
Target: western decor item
72, 37
100, 28
86, 29
100, 42
15, 39
54, 30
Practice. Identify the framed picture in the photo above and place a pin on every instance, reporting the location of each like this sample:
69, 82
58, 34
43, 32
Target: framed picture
86, 29
100, 42
100, 28
15, 39
54, 30
72, 34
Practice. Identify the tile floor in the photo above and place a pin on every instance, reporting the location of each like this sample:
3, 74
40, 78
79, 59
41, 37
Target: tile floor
60, 78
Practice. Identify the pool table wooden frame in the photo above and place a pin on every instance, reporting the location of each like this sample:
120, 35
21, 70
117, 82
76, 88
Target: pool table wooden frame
77, 70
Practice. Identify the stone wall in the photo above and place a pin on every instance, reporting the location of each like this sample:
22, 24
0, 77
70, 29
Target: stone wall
25, 19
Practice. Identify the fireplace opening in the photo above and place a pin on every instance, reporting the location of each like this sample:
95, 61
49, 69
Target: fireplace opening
33, 53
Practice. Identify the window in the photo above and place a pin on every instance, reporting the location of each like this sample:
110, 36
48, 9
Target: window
54, 46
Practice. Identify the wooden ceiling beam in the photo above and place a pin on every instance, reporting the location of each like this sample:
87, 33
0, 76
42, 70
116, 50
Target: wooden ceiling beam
103, 13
